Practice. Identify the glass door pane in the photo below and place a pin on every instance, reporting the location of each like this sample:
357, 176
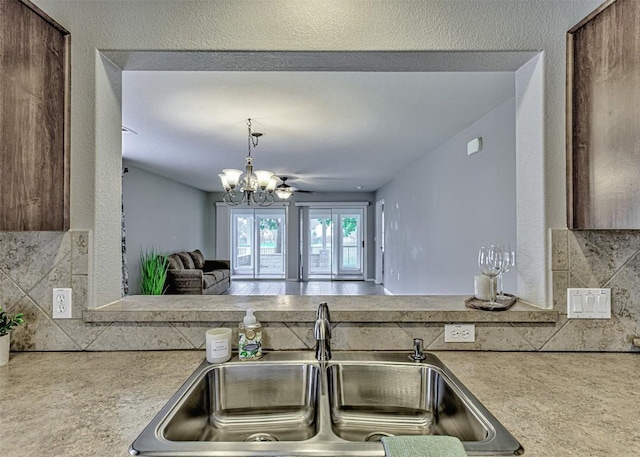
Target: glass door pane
320, 242
258, 243
271, 236
242, 244
350, 239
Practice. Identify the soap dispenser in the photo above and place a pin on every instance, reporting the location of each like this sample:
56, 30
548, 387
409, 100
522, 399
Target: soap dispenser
249, 337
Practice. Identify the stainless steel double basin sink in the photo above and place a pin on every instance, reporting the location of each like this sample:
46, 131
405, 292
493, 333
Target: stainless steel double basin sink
289, 404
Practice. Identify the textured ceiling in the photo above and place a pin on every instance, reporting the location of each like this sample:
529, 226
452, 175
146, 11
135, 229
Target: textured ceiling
325, 129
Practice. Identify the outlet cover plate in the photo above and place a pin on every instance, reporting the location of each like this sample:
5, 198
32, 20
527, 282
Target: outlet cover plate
61, 303
459, 333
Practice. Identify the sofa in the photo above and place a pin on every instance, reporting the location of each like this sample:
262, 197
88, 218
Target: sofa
189, 273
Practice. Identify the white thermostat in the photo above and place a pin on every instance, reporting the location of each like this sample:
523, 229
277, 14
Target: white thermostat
474, 146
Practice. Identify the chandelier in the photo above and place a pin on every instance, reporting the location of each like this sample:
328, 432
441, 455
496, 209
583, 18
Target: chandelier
255, 187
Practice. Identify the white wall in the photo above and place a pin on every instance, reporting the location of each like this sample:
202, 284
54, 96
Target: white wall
164, 214
305, 25
440, 210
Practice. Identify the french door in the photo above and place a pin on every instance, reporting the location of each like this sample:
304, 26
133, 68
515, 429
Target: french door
258, 240
333, 245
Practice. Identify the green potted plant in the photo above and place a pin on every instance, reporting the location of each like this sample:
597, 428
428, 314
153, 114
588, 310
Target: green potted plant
153, 272
6, 324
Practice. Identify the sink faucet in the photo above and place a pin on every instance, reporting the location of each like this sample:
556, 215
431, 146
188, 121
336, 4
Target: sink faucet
322, 333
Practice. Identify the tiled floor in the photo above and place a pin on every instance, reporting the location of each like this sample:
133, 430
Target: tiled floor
278, 287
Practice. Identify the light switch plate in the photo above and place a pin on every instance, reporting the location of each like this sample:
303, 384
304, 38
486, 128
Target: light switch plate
588, 303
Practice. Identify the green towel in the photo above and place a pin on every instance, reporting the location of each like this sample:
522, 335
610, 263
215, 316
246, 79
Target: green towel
423, 446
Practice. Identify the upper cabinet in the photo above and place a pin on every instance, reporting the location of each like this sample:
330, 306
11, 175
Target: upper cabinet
34, 119
603, 118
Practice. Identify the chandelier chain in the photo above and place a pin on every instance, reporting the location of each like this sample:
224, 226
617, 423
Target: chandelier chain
253, 139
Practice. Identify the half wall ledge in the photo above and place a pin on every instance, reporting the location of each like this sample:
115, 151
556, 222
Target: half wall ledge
302, 308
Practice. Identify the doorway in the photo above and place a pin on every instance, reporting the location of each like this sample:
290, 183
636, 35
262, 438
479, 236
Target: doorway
379, 240
333, 243
258, 241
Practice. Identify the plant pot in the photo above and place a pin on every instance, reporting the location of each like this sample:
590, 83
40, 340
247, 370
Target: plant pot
5, 343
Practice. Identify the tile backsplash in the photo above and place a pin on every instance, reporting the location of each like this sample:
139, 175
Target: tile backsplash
32, 263
597, 259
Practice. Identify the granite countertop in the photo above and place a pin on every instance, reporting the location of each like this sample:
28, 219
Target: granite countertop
95, 404
302, 308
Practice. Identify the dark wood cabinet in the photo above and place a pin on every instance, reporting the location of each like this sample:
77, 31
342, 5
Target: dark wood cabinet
34, 119
603, 118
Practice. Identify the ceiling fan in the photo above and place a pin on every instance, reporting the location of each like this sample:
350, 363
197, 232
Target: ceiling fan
284, 190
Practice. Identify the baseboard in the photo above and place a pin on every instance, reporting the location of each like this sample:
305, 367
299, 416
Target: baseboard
387, 292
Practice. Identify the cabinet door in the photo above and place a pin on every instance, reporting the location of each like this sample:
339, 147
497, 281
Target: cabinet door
34, 115
603, 118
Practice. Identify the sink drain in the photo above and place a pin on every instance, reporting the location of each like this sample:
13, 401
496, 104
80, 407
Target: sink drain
261, 437
376, 436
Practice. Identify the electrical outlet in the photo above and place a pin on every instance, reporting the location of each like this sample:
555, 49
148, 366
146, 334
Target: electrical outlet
459, 333
61, 304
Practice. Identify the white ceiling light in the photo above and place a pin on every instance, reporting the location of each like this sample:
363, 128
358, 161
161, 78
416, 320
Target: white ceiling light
283, 190
254, 187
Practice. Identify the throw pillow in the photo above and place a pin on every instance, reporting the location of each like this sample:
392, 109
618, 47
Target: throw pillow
187, 261
174, 262
198, 258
